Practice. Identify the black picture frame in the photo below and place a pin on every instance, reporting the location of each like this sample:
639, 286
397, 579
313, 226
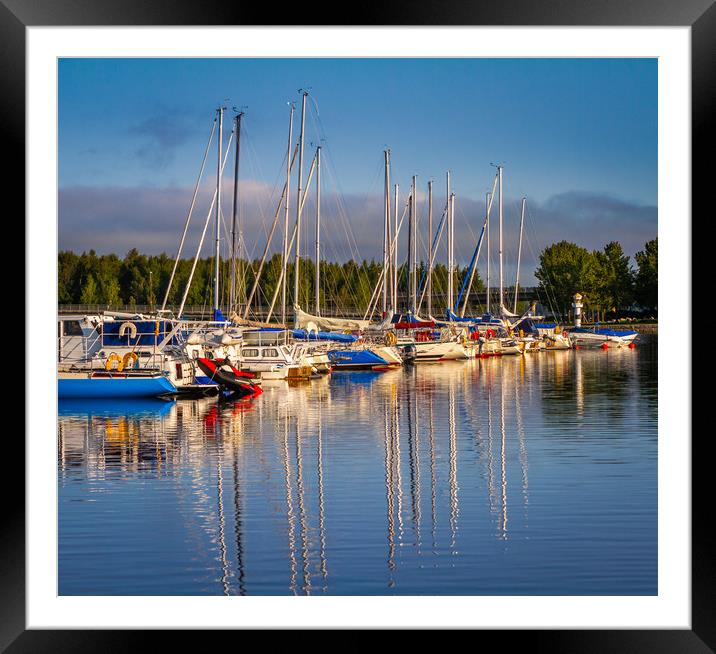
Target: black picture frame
700, 15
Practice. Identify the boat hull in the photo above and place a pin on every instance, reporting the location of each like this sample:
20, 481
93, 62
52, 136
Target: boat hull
94, 385
440, 351
356, 360
600, 337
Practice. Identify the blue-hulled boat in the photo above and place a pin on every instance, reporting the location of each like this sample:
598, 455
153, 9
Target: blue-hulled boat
104, 384
358, 359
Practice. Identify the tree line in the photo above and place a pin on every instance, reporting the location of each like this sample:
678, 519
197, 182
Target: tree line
605, 277
139, 279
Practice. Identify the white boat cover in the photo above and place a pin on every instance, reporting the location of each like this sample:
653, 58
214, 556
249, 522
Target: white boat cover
323, 323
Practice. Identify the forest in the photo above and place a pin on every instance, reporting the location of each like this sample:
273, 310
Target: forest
606, 278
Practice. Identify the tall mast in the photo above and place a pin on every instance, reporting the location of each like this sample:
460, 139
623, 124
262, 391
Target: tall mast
318, 230
519, 253
429, 282
234, 209
499, 172
414, 245
388, 276
284, 261
448, 204
395, 251
298, 202
488, 201
386, 230
217, 225
452, 252
409, 288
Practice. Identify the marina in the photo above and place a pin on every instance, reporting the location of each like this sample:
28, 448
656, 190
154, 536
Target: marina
471, 411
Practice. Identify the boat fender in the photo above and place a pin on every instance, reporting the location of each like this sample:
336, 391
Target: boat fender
110, 361
128, 327
133, 356
390, 339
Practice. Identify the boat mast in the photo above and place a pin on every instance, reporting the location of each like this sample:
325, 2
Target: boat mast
395, 252
499, 172
449, 236
414, 245
386, 231
318, 230
217, 225
234, 209
452, 251
488, 202
298, 203
284, 261
429, 283
519, 253
388, 277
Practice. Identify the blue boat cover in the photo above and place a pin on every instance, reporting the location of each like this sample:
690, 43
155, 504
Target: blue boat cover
453, 317
146, 333
545, 325
324, 336
603, 331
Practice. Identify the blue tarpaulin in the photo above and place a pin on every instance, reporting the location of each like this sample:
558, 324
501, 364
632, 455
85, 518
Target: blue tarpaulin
146, 333
324, 336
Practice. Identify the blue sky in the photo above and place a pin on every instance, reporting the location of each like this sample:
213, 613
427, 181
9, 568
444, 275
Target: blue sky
580, 131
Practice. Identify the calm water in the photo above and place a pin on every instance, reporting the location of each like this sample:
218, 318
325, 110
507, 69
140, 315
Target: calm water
532, 475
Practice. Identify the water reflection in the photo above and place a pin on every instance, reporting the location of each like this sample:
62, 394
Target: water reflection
410, 481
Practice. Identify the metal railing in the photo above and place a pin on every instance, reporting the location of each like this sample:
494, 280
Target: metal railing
329, 306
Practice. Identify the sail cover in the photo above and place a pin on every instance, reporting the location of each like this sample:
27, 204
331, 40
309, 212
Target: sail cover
329, 324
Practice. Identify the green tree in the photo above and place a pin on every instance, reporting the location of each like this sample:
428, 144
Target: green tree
646, 280
110, 292
614, 279
565, 269
89, 292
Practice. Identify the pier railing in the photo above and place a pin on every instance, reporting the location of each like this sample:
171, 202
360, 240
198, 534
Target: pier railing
329, 307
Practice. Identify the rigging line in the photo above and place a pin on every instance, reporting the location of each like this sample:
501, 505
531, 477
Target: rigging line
431, 263
203, 234
363, 281
191, 210
257, 274
381, 278
262, 199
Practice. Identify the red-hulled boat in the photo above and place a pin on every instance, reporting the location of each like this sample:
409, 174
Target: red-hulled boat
224, 374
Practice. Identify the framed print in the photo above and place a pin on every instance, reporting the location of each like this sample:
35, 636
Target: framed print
382, 421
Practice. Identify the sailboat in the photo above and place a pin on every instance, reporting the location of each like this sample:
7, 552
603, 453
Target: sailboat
602, 336
427, 340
